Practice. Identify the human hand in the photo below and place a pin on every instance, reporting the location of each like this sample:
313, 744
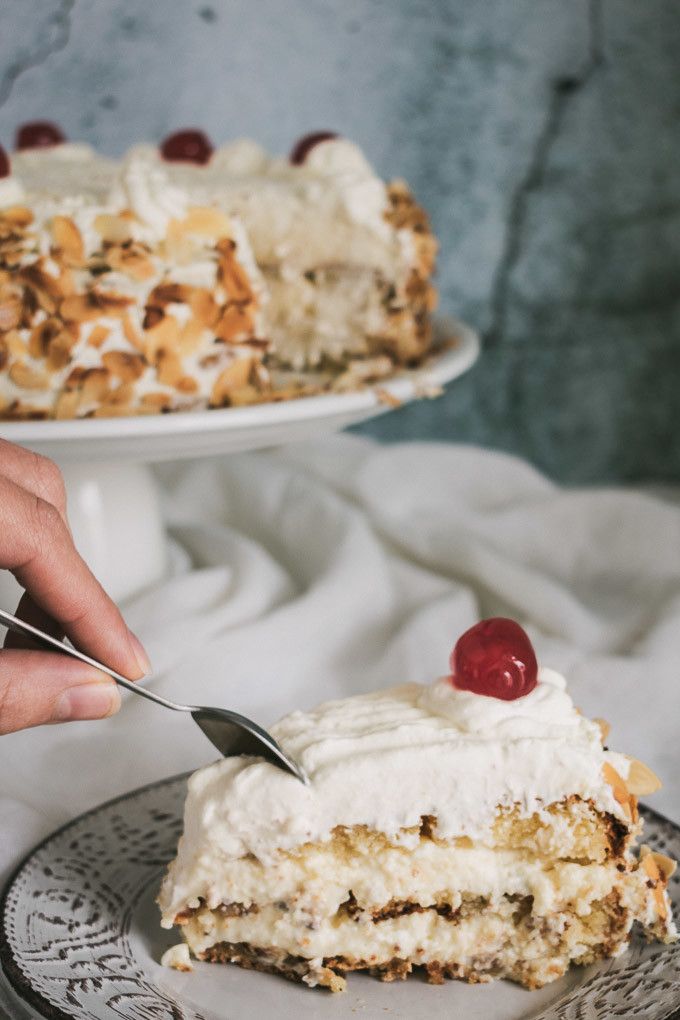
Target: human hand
62, 597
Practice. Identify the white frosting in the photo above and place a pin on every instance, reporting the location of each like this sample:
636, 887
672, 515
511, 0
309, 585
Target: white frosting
386, 759
329, 210
11, 191
241, 157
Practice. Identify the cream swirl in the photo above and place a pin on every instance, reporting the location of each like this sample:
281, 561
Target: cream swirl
146, 190
361, 192
547, 711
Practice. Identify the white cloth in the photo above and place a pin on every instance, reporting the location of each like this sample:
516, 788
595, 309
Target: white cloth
327, 569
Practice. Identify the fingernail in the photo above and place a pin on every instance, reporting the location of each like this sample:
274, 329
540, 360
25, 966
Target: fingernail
142, 658
87, 701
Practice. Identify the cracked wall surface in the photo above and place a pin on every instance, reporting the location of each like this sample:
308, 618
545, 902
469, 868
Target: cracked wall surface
542, 135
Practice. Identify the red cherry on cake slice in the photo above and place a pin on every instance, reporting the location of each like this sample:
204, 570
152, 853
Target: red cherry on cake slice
304, 145
188, 146
5, 169
496, 658
39, 134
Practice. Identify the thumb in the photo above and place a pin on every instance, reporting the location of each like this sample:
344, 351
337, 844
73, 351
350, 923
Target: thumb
38, 687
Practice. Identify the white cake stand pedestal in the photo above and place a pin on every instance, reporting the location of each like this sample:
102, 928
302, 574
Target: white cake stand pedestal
114, 508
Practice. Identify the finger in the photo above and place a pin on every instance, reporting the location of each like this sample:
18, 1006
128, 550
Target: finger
37, 547
34, 473
30, 613
41, 687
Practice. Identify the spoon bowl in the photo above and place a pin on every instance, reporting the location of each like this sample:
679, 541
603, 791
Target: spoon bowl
234, 734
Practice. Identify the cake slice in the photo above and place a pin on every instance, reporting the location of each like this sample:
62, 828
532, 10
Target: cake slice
134, 301
475, 828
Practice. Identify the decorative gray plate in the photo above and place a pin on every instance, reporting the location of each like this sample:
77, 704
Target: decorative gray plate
80, 940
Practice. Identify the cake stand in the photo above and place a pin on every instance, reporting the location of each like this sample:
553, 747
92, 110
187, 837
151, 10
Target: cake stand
113, 502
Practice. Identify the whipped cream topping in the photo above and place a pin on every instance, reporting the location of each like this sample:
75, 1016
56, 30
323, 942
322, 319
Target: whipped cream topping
547, 712
386, 759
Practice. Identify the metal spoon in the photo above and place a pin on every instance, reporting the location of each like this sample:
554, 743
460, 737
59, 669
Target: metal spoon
231, 733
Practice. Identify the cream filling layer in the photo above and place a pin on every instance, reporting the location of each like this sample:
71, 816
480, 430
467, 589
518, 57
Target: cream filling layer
421, 937
313, 887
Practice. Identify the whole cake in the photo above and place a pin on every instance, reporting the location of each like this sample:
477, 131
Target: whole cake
180, 277
476, 828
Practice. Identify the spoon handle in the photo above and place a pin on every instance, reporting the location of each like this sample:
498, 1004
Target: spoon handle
54, 644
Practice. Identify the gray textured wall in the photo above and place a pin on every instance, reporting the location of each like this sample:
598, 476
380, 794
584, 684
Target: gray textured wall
542, 135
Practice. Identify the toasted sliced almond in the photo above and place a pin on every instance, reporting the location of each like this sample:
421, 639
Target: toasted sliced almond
641, 780
98, 335
28, 378
206, 221
94, 304
243, 396
164, 336
41, 335
605, 729
4, 354
59, 350
134, 262
233, 377
651, 868
157, 401
666, 865
95, 384
109, 410
153, 316
132, 333
124, 365
235, 323
122, 395
15, 345
114, 229
169, 293
187, 384
191, 336
169, 367
233, 276
67, 405
67, 241
10, 314
17, 215
619, 789
66, 282
204, 306
385, 397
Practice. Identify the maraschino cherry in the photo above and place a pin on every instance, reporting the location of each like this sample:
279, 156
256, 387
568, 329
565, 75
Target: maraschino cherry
496, 658
39, 134
4, 163
188, 146
304, 145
